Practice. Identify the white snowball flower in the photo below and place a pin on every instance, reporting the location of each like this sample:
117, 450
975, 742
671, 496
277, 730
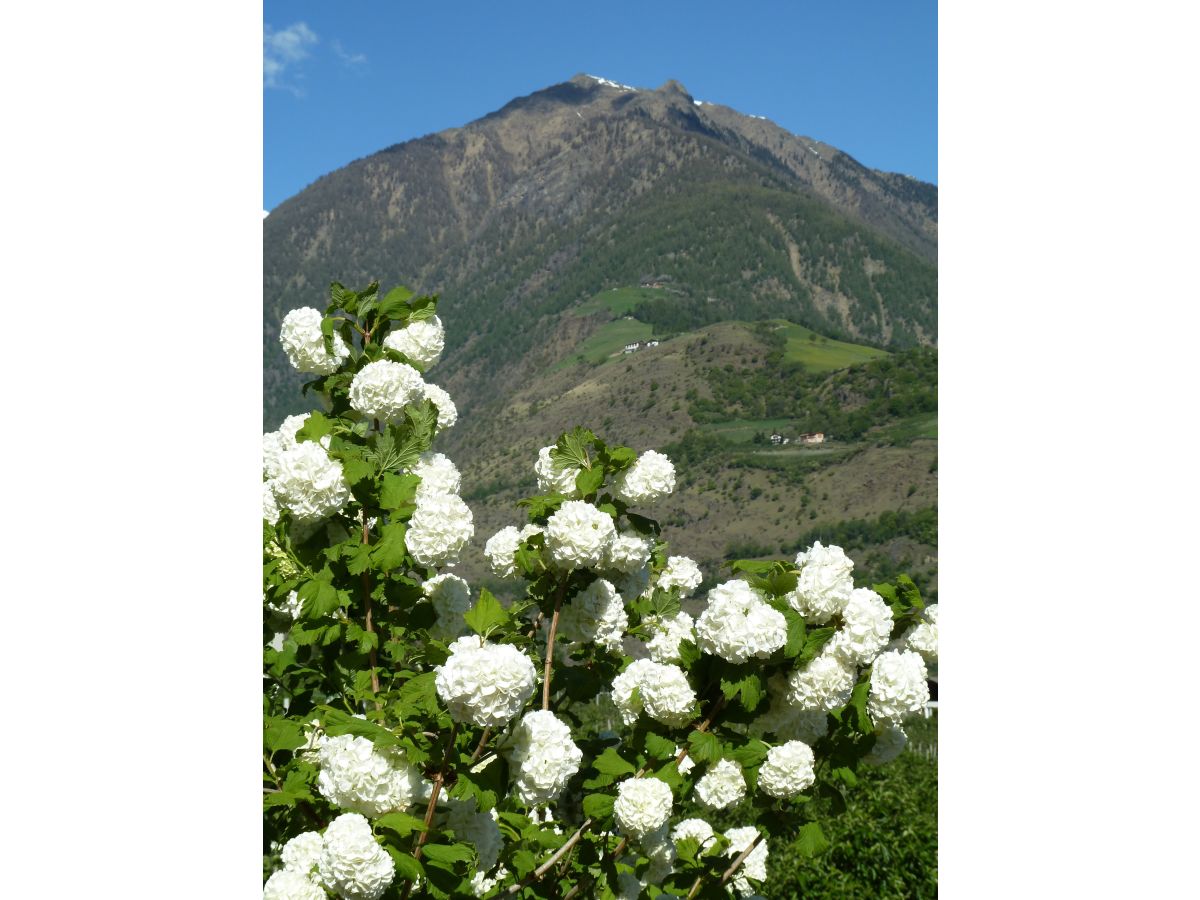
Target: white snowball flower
479, 829
697, 829
309, 483
302, 852
381, 390
824, 684
642, 806
482, 883
722, 785
669, 633
680, 572
684, 765
889, 744
552, 481
663, 691
648, 480
270, 507
485, 684
597, 613
628, 553
421, 341
543, 757
353, 864
501, 548
357, 777
288, 884
659, 850
304, 344
451, 597
738, 625
754, 865
578, 535
787, 770
866, 628
899, 686
824, 584
447, 412
275, 442
439, 529
438, 474
923, 637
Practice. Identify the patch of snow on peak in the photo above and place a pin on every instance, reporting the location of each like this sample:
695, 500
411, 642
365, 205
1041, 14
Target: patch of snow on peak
623, 87
764, 118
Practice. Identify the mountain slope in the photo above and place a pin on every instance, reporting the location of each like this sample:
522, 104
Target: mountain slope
534, 208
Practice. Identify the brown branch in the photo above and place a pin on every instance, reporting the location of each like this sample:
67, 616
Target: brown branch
737, 862
487, 733
438, 780
558, 854
558, 599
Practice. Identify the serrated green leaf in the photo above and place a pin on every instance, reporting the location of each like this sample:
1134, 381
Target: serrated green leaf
449, 853
689, 654
391, 550
400, 822
408, 867
420, 693
598, 806
588, 481
319, 598
398, 490
753, 566
487, 614
749, 687
524, 862
660, 747
704, 747
796, 633
315, 427
394, 304
571, 450
752, 753
814, 641
282, 734
811, 840
611, 763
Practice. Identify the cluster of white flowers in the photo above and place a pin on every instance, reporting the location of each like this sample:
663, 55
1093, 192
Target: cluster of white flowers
722, 785
304, 344
270, 506
275, 442
866, 628
543, 757
788, 770
923, 637
479, 829
447, 412
597, 613
438, 474
578, 535
824, 684
358, 777
682, 573
889, 744
648, 480
824, 584
550, 479
662, 690
451, 597
738, 624
353, 865
309, 483
660, 853
381, 390
288, 884
303, 852
483, 683
754, 865
899, 686
697, 829
501, 548
643, 805
439, 529
668, 634
628, 553
421, 341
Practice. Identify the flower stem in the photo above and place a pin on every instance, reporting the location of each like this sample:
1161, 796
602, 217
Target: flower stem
558, 600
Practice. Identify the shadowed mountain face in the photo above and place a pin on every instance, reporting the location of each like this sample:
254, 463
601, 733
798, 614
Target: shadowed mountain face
521, 216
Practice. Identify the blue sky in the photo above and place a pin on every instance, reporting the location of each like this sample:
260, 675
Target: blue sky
341, 81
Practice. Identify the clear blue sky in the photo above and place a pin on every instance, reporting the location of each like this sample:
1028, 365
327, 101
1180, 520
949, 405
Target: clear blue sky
343, 80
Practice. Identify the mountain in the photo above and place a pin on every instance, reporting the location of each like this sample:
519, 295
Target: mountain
591, 214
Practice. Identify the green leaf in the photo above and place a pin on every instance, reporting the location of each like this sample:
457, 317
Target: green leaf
341, 298
659, 747
617, 458
315, 427
689, 654
753, 566
704, 747
643, 525
795, 632
394, 304
423, 308
408, 867
542, 505
487, 614
389, 553
598, 806
319, 598
282, 734
588, 481
420, 693
327, 329
525, 862
814, 640
336, 722
572, 449
811, 840
611, 763
449, 853
400, 822
749, 687
751, 753
398, 490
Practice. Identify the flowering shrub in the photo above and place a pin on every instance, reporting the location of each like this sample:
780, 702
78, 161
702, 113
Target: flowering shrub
425, 740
